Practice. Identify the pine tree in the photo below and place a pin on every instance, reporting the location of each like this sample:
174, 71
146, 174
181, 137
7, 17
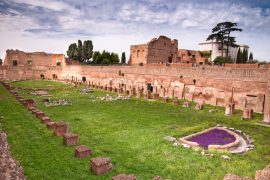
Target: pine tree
239, 59
123, 58
250, 56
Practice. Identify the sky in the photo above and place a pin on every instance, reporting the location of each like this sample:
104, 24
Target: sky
114, 25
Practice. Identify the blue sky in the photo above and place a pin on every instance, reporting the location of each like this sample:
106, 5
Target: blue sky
114, 25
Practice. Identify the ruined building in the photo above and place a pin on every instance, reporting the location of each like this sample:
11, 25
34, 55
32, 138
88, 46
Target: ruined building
246, 86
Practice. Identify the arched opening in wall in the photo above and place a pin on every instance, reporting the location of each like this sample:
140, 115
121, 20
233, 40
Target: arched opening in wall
170, 59
194, 81
14, 63
42, 76
141, 64
54, 76
58, 63
83, 79
149, 87
138, 53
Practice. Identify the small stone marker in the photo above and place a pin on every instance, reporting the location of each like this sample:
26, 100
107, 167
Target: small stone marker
199, 106
124, 177
157, 178
29, 103
34, 111
31, 108
45, 120
247, 113
101, 165
225, 157
70, 139
166, 99
229, 108
175, 102
60, 129
82, 151
186, 104
40, 114
51, 125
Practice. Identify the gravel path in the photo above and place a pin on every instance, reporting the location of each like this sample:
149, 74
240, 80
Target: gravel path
9, 167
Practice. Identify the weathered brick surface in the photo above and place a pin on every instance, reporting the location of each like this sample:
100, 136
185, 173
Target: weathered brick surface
101, 165
82, 151
60, 128
45, 120
70, 139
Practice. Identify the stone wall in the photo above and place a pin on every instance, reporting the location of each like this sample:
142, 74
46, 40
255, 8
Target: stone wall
246, 87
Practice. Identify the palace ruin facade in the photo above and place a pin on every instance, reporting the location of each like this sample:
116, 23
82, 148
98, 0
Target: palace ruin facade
246, 86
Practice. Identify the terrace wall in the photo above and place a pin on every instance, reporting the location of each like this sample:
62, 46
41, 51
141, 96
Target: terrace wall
246, 86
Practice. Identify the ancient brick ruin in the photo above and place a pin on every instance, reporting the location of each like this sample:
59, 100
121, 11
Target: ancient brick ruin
241, 86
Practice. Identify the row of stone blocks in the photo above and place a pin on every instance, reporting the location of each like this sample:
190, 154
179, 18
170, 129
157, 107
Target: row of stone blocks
98, 165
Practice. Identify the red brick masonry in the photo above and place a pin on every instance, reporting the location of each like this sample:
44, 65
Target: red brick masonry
82, 151
70, 139
101, 165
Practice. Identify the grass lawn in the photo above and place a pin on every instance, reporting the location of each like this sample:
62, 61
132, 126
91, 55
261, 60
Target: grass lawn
130, 132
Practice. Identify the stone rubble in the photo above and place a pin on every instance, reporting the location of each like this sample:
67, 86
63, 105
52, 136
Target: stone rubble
9, 167
109, 98
59, 102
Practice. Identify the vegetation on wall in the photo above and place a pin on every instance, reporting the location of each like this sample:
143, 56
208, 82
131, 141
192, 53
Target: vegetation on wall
206, 54
81, 52
222, 33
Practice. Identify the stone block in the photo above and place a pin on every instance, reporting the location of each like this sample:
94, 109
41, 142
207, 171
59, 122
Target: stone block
247, 113
175, 102
40, 114
31, 108
45, 120
60, 129
34, 111
186, 104
199, 106
51, 125
157, 178
166, 99
29, 103
101, 165
82, 151
124, 177
70, 139
229, 109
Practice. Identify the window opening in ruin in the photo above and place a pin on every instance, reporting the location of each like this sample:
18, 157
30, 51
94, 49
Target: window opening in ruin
149, 87
194, 81
14, 62
54, 76
119, 73
29, 62
141, 64
83, 79
58, 63
42, 76
170, 59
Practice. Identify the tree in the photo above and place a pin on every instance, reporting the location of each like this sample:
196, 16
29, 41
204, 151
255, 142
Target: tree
245, 55
80, 51
221, 33
123, 58
250, 56
239, 56
1, 61
72, 52
222, 60
87, 50
97, 57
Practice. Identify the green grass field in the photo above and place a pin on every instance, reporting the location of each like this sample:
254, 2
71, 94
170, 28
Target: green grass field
130, 132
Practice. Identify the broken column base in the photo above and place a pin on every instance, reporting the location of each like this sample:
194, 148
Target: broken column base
101, 165
229, 108
247, 113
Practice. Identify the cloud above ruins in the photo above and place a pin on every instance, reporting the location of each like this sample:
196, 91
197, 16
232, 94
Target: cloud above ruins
50, 25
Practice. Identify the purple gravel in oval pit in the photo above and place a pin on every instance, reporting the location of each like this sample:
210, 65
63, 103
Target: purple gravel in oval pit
213, 137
